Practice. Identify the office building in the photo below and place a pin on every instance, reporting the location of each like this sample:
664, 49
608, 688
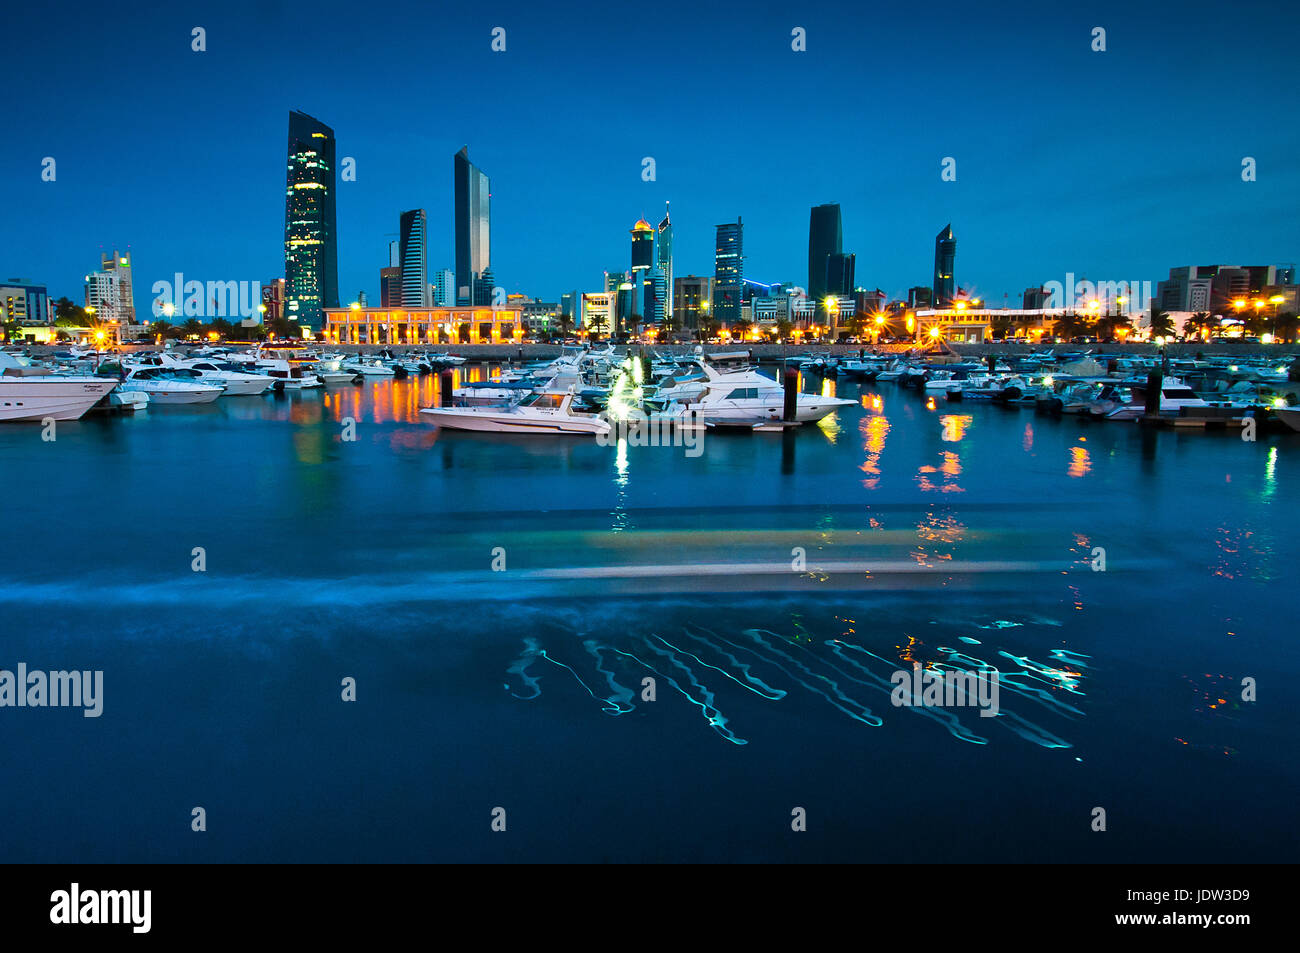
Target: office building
473, 230
311, 270
728, 272
413, 251
945, 254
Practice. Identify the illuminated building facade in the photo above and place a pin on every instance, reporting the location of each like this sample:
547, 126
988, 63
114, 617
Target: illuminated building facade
311, 268
413, 253
423, 325
728, 271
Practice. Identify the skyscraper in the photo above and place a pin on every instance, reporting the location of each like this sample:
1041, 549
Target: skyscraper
664, 261
945, 252
413, 251
390, 287
728, 271
643, 244
121, 266
825, 238
311, 259
473, 229
444, 287
840, 274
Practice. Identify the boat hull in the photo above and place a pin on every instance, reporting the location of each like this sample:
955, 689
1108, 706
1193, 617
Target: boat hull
39, 398
454, 418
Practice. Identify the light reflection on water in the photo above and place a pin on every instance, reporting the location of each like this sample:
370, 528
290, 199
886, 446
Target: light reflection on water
377, 553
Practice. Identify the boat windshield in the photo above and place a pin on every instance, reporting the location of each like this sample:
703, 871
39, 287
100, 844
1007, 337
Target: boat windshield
542, 400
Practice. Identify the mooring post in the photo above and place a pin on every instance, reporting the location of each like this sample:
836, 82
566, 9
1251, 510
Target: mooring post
791, 383
1155, 381
445, 387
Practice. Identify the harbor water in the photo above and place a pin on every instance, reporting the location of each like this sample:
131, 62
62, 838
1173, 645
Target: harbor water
499, 603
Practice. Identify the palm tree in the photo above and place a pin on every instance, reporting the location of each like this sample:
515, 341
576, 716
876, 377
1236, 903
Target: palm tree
1162, 326
1067, 326
1203, 323
599, 323
1001, 324
565, 323
783, 328
1285, 327
742, 327
1110, 324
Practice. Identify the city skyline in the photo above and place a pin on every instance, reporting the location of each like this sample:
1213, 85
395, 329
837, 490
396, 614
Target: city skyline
1041, 188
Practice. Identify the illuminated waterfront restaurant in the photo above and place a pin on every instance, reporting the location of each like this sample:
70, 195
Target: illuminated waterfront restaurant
465, 325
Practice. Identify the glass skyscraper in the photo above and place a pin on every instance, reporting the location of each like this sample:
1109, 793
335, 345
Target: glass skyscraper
945, 253
664, 261
825, 237
311, 259
413, 253
473, 231
728, 271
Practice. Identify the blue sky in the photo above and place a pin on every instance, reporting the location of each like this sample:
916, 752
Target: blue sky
1114, 165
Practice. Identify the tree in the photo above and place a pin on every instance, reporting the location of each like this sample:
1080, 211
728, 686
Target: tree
70, 315
599, 323
161, 328
742, 327
784, 327
1162, 326
222, 327
192, 327
1068, 326
1285, 327
1202, 323
1109, 325
565, 322
1002, 326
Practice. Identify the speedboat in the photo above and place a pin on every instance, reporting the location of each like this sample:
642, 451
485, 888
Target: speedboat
368, 368
1174, 395
533, 414
743, 398
237, 383
332, 372
30, 392
163, 387
1289, 416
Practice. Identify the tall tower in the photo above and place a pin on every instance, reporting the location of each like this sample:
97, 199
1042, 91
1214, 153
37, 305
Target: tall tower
473, 230
945, 252
664, 262
413, 252
120, 265
728, 271
311, 258
643, 248
825, 238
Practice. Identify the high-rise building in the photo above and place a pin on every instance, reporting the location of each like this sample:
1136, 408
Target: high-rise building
121, 266
690, 300
104, 295
473, 228
643, 253
390, 287
311, 259
413, 249
839, 274
444, 287
945, 253
664, 261
728, 271
1035, 299
25, 303
825, 237
920, 297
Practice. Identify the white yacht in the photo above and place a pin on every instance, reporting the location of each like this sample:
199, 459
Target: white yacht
1174, 395
331, 371
29, 392
164, 386
742, 398
534, 414
368, 367
237, 382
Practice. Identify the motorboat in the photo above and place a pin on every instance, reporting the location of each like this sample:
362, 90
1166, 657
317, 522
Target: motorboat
1128, 401
31, 392
532, 414
164, 386
371, 367
331, 371
1289, 416
741, 398
236, 381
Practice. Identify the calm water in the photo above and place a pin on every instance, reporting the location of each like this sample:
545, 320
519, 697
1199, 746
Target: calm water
959, 536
